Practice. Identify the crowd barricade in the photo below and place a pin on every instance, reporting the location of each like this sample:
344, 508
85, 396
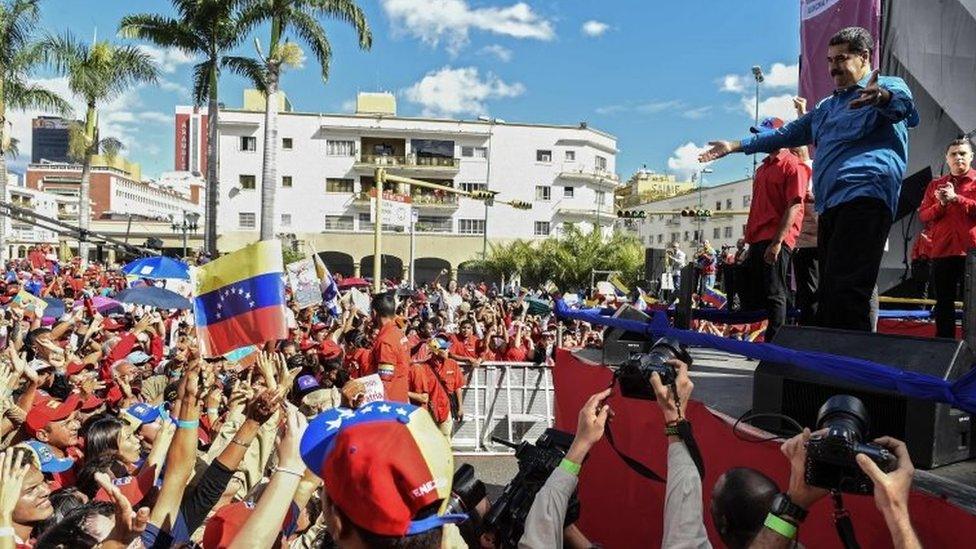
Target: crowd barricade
507, 400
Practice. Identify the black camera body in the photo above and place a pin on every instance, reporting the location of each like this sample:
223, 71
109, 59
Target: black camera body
634, 375
830, 460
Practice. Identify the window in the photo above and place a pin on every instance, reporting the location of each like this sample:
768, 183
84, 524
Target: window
543, 193
698, 235
249, 143
474, 187
338, 185
728, 204
338, 222
660, 238
248, 181
716, 232
746, 200
286, 143
568, 192
474, 152
718, 205
286, 220
743, 230
246, 220
543, 156
366, 225
432, 148
601, 163
286, 181
471, 226
728, 232
601, 197
542, 228
570, 156
340, 148
686, 236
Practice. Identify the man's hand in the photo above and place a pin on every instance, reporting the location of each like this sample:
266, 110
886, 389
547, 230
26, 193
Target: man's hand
800, 104
12, 473
665, 395
872, 94
263, 406
129, 525
593, 417
948, 193
799, 491
772, 252
718, 150
353, 393
890, 489
289, 456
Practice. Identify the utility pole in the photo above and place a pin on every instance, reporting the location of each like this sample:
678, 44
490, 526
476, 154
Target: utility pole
757, 74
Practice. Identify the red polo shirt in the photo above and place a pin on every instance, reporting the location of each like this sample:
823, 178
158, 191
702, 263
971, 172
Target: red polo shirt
390, 350
469, 347
952, 228
779, 183
423, 380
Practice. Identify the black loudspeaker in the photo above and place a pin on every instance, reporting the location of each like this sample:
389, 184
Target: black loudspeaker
654, 265
936, 434
619, 344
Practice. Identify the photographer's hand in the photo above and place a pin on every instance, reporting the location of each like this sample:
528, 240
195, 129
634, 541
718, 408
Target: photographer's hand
800, 492
593, 419
891, 491
665, 396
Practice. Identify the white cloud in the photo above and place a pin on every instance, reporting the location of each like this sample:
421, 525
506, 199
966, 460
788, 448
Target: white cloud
451, 21
697, 114
174, 87
450, 91
778, 75
733, 83
501, 52
594, 28
780, 106
167, 59
684, 160
155, 116
649, 107
349, 106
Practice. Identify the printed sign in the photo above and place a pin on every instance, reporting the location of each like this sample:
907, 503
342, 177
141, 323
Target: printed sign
396, 209
359, 299
304, 283
372, 388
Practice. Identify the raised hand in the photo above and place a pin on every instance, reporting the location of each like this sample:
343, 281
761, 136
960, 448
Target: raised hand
872, 94
718, 149
288, 453
800, 104
891, 490
263, 406
12, 473
129, 524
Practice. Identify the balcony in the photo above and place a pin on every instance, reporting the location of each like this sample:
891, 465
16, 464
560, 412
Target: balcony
424, 202
606, 214
600, 178
408, 165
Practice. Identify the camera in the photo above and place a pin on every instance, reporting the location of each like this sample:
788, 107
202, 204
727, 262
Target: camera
467, 492
830, 456
634, 375
535, 463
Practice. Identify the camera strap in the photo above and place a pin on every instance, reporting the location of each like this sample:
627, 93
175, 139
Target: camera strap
635, 465
688, 437
843, 523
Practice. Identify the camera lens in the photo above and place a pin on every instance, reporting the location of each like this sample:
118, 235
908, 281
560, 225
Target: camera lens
844, 414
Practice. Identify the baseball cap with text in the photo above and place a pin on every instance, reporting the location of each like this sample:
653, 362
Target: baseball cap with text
768, 124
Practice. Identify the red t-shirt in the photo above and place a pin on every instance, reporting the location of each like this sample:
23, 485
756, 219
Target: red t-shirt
469, 347
450, 371
951, 228
390, 351
358, 362
779, 183
423, 380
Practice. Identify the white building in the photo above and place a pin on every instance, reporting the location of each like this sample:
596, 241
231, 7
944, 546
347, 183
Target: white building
728, 203
326, 165
19, 236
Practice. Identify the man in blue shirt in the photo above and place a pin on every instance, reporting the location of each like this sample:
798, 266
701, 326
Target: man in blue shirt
861, 137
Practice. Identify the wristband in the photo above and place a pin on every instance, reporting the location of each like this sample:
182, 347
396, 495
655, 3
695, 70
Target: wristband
289, 472
187, 423
239, 443
671, 431
570, 467
780, 526
212, 411
7, 532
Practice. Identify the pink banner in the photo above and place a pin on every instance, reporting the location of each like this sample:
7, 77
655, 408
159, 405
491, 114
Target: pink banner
821, 19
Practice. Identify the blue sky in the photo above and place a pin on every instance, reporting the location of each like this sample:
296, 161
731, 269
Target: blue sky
664, 77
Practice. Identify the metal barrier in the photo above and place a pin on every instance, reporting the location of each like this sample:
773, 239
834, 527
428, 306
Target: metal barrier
508, 400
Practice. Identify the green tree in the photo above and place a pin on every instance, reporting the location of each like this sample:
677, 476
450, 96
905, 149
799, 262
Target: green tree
209, 29
20, 54
97, 72
299, 18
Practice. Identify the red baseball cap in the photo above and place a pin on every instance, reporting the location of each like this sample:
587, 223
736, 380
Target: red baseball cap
768, 124
224, 525
381, 464
47, 410
134, 488
91, 403
329, 349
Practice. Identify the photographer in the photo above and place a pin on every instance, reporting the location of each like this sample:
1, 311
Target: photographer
891, 491
544, 523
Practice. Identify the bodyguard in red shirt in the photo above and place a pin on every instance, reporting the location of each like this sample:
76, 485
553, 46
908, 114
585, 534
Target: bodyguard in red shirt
775, 214
389, 357
949, 210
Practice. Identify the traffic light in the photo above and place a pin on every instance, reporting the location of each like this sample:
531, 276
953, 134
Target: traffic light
482, 195
687, 212
520, 205
691, 212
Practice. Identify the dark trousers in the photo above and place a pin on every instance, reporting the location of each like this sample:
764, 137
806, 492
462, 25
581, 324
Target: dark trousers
806, 274
947, 277
851, 238
764, 286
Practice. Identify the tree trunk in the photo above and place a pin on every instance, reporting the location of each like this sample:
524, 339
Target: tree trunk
269, 174
213, 183
84, 189
3, 174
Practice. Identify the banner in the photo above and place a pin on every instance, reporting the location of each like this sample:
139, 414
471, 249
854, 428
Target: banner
396, 209
820, 20
304, 283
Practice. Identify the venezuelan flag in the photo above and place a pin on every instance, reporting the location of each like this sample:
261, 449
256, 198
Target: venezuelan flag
239, 299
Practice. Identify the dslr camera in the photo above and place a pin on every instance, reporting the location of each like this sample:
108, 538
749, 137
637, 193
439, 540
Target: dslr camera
634, 375
830, 456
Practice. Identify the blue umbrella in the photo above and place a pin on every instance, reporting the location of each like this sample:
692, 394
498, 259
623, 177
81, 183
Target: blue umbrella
156, 267
160, 298
55, 307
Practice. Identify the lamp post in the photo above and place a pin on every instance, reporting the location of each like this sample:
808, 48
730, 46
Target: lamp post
187, 225
757, 74
701, 206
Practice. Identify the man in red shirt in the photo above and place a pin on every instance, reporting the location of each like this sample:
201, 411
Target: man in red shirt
466, 347
949, 210
389, 356
775, 214
429, 389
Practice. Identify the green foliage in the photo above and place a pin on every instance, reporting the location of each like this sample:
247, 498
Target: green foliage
567, 259
290, 256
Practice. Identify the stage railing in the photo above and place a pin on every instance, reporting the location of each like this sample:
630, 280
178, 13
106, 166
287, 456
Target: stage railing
509, 400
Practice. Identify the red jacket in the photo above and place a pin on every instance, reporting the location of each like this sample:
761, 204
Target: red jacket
952, 227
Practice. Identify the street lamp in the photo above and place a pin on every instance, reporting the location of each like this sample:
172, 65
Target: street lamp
701, 206
188, 225
757, 74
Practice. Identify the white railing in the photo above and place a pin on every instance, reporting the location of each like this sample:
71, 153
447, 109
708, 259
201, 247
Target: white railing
509, 400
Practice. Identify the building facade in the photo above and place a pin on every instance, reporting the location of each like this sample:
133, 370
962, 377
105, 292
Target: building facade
19, 236
50, 136
647, 186
190, 140
326, 168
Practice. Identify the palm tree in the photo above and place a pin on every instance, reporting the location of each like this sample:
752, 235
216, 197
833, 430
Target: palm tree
301, 17
97, 73
208, 29
19, 55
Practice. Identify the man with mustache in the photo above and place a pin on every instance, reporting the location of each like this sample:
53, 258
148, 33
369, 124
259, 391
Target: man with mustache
861, 137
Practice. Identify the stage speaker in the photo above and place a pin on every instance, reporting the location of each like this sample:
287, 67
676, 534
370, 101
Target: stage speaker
935, 433
619, 344
654, 265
